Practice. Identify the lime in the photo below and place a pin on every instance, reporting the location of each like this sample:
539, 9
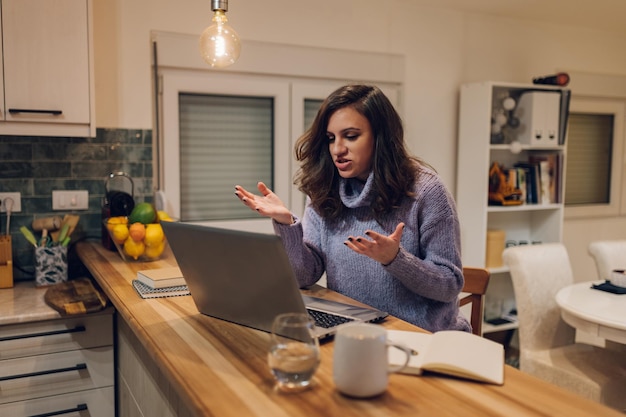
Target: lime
142, 213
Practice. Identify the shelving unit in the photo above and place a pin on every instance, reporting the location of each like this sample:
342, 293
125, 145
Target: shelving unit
480, 145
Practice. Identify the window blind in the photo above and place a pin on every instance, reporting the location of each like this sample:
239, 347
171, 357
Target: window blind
311, 107
589, 156
224, 141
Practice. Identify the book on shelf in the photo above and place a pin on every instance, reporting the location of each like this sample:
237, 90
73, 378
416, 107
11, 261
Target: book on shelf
550, 167
520, 177
450, 352
162, 277
533, 181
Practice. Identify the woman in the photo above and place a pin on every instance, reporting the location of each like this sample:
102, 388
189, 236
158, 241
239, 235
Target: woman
360, 180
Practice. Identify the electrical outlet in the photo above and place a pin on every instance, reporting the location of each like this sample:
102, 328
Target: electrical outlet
70, 200
17, 202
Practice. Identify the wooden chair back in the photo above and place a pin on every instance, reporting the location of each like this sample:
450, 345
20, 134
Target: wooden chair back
476, 281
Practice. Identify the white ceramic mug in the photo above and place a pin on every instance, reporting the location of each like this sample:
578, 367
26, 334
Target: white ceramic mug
360, 359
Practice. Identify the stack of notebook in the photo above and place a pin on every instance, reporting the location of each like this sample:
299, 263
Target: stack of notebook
162, 282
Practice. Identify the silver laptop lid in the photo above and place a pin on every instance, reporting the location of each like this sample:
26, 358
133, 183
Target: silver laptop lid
246, 277
233, 277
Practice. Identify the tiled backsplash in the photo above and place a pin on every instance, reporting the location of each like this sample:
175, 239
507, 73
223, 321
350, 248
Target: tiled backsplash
35, 166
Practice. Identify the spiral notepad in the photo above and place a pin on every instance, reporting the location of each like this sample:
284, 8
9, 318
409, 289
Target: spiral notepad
146, 292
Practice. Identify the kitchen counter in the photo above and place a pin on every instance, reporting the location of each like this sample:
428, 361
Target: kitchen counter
174, 361
25, 303
52, 363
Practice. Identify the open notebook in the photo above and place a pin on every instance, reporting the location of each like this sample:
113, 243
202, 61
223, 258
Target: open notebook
450, 352
246, 278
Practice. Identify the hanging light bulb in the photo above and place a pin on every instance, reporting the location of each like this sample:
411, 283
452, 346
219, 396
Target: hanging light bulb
219, 43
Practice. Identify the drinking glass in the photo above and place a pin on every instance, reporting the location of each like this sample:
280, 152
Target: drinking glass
294, 352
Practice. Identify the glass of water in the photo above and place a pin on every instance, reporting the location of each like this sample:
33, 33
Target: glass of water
294, 352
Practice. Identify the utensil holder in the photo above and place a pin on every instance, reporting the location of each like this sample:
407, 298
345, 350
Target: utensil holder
50, 265
6, 262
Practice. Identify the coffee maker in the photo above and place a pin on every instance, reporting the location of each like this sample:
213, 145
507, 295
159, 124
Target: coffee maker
117, 201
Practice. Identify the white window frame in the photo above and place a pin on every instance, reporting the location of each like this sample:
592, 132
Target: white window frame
617, 195
176, 82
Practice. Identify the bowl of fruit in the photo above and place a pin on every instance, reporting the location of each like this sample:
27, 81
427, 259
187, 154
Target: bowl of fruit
139, 236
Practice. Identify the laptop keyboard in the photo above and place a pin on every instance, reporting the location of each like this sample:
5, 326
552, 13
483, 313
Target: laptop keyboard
327, 320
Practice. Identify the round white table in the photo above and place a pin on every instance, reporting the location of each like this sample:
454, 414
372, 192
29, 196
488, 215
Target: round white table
599, 313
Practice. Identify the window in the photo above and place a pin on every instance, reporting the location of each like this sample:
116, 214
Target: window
589, 160
224, 140
220, 130
593, 185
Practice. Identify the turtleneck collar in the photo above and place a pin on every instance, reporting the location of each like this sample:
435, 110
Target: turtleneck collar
354, 193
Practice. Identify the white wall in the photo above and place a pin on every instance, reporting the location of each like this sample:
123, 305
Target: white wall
443, 49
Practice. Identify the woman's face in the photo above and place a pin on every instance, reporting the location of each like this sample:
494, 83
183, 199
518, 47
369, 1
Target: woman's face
351, 143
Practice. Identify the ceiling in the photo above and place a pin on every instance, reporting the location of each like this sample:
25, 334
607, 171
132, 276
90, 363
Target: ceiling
605, 15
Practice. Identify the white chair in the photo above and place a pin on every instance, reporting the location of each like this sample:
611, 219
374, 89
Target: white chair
608, 255
547, 347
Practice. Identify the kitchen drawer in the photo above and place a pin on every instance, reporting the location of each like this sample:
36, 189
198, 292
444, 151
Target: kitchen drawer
56, 373
36, 338
98, 403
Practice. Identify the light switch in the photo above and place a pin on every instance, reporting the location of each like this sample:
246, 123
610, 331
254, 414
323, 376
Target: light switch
70, 200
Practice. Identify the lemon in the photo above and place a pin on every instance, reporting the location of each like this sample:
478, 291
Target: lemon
113, 221
163, 216
134, 249
155, 251
154, 235
120, 233
137, 231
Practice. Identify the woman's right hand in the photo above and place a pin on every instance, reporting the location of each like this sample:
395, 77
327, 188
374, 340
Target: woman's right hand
267, 204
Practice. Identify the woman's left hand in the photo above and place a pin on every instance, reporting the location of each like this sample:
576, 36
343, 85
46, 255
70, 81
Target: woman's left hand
379, 247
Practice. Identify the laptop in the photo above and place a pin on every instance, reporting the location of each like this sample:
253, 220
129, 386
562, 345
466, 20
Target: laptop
246, 278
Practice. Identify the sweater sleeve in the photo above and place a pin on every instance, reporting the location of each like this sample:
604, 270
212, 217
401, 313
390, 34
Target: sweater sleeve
304, 255
434, 272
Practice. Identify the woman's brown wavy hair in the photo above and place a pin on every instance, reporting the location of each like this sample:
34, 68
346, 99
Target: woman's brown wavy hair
395, 171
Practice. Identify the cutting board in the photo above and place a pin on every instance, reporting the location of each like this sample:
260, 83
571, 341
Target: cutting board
75, 297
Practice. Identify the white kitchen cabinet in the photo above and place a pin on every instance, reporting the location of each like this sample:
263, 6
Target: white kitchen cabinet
60, 366
48, 68
480, 144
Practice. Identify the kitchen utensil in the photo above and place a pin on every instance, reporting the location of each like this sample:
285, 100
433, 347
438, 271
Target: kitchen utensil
28, 235
8, 202
69, 220
47, 223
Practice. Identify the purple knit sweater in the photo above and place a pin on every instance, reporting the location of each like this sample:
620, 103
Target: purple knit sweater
421, 285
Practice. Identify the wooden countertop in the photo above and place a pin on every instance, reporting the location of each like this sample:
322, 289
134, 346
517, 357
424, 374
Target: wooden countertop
220, 368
